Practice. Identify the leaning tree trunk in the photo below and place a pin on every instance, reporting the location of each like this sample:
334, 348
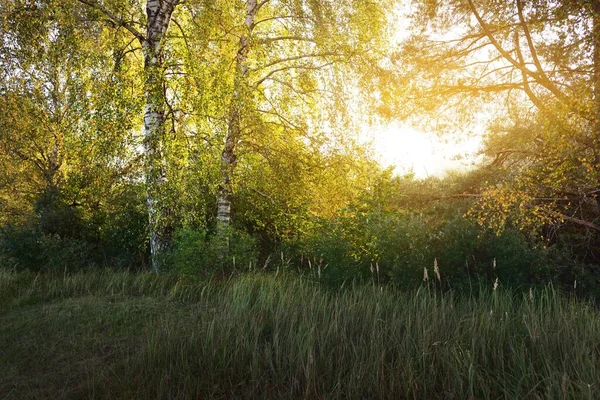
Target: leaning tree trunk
240, 89
159, 15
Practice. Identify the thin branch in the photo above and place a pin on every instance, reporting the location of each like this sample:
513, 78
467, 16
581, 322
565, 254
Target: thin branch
299, 93
114, 18
183, 34
514, 62
500, 87
278, 38
279, 18
262, 3
303, 56
554, 214
532, 50
574, 220
532, 96
295, 66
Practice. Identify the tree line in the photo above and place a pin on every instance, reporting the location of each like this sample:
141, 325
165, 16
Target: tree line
134, 127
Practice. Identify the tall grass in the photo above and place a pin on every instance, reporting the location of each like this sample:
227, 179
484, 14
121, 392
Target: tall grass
21, 288
260, 336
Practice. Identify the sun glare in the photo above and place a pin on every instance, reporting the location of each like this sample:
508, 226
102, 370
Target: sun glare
408, 150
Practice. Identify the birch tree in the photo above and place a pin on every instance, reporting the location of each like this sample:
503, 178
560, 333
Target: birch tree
152, 40
240, 89
292, 68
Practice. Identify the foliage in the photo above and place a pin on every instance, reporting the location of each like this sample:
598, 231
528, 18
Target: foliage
398, 246
198, 253
82, 187
496, 64
62, 236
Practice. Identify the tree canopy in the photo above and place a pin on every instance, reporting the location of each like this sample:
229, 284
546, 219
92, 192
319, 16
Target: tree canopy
137, 133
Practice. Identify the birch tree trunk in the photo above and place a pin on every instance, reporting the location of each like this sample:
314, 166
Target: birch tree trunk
596, 84
596, 77
240, 89
159, 15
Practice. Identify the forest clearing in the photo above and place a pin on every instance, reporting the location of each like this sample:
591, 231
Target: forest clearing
299, 199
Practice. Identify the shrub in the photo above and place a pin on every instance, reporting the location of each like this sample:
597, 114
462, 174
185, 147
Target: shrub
25, 247
60, 235
20, 247
396, 246
197, 252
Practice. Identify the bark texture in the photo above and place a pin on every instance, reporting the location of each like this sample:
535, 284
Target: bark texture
596, 44
240, 88
159, 14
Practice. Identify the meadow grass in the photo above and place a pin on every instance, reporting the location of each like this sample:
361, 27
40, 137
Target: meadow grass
123, 335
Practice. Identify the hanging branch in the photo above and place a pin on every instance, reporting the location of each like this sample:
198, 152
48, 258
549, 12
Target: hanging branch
114, 18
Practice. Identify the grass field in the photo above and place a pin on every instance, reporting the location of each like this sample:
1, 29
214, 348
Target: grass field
118, 335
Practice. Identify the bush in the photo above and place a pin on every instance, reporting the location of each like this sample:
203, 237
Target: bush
65, 236
25, 247
20, 247
197, 252
122, 231
397, 246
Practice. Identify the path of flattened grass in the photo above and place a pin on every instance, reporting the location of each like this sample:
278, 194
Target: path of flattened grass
63, 348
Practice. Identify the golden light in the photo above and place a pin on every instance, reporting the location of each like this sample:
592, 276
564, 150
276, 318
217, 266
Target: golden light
407, 149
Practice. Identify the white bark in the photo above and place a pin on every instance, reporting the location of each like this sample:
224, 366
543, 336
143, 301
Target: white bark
228, 156
596, 45
159, 14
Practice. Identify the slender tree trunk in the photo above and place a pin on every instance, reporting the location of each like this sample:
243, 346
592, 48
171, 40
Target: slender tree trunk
240, 89
596, 45
159, 15
596, 86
